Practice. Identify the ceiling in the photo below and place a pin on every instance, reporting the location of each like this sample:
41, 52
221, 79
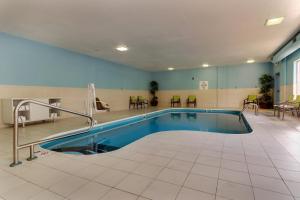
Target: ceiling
159, 33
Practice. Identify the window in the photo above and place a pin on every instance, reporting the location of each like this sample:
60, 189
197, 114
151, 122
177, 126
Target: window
296, 87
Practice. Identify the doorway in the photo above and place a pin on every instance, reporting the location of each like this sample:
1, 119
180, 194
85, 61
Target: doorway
277, 88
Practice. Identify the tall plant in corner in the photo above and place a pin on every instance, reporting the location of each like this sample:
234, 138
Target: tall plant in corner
266, 91
153, 90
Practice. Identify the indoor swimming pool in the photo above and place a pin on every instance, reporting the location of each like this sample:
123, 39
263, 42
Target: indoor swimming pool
117, 134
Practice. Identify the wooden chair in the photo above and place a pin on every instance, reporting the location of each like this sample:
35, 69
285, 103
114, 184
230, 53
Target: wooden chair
278, 107
191, 100
175, 100
251, 100
293, 107
132, 102
142, 102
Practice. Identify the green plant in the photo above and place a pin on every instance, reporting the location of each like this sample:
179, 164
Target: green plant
266, 91
153, 90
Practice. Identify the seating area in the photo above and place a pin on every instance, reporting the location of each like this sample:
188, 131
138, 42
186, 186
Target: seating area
292, 105
252, 101
138, 102
191, 100
176, 101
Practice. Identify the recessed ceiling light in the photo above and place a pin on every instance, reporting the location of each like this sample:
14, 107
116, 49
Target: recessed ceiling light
170, 68
274, 21
205, 65
250, 61
122, 48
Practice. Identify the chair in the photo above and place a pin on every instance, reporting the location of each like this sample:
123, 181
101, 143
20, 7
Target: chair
251, 100
293, 106
132, 101
297, 105
142, 102
175, 100
191, 100
276, 107
101, 106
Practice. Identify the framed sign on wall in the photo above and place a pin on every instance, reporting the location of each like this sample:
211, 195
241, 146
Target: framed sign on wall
203, 85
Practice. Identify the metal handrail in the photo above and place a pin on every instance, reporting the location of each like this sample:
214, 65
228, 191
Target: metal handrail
17, 147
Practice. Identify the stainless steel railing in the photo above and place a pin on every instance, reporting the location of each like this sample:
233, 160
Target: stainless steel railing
17, 147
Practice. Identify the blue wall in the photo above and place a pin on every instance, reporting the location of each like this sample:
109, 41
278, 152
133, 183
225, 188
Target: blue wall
25, 62
224, 77
286, 68
290, 66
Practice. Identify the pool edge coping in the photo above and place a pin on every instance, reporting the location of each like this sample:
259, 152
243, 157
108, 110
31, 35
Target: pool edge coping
143, 115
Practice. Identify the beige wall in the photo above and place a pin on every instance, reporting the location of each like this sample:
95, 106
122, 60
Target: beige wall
212, 98
72, 98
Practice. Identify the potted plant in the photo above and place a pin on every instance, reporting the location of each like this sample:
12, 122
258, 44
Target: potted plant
153, 90
266, 91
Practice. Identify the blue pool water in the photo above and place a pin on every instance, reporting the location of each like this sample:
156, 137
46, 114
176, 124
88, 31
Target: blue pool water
112, 136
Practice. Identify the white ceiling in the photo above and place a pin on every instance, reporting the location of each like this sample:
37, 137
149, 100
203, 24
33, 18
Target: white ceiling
159, 33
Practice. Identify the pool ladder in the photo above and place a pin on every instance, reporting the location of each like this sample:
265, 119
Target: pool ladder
30, 145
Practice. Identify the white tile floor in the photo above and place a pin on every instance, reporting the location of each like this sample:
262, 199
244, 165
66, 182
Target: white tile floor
181, 165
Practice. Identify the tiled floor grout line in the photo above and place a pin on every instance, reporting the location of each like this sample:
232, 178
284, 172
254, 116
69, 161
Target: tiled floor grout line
157, 176
188, 173
282, 146
48, 188
219, 169
274, 166
88, 182
195, 162
172, 158
252, 188
153, 179
129, 173
27, 181
3, 197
